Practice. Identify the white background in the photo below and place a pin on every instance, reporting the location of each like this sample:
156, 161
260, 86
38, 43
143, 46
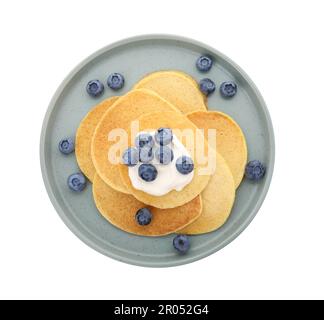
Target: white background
278, 43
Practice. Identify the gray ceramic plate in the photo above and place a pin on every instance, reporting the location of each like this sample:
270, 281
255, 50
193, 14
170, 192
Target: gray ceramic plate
134, 58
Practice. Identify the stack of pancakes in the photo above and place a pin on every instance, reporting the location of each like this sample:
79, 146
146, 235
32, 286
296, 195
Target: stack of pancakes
162, 99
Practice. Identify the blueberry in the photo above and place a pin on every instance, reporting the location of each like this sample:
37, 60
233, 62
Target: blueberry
163, 136
255, 170
77, 182
144, 139
145, 154
204, 63
115, 81
66, 146
181, 243
164, 154
228, 89
184, 164
147, 172
207, 86
95, 88
143, 216
130, 157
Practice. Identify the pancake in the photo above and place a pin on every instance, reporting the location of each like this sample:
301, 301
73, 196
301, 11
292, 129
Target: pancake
120, 209
176, 87
84, 136
186, 75
230, 140
175, 121
119, 116
217, 198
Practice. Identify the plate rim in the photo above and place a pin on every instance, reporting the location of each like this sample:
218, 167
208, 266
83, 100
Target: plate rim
87, 239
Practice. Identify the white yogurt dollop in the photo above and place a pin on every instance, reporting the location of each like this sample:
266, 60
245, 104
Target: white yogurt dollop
168, 177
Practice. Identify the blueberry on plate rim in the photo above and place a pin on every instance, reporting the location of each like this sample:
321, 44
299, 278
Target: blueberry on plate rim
147, 172
95, 88
228, 89
181, 243
255, 170
115, 81
143, 216
184, 164
204, 63
130, 157
207, 86
77, 182
66, 145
